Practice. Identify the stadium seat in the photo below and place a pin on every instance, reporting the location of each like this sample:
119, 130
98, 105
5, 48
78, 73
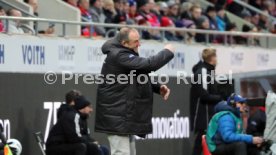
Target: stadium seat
205, 148
40, 142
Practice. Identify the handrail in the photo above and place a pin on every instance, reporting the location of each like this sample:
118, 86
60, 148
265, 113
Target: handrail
208, 32
254, 9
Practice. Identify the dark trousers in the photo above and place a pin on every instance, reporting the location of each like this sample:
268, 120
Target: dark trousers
104, 150
93, 149
238, 148
197, 149
67, 149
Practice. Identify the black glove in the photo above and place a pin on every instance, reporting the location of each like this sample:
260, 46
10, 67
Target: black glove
266, 145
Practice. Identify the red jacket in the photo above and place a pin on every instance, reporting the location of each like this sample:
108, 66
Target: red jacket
2, 28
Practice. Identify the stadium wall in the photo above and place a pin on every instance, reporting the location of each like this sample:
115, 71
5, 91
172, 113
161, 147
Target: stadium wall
29, 104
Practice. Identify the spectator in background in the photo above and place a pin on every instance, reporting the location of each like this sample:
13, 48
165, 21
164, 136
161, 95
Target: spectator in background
2, 24
96, 11
271, 7
14, 25
154, 9
185, 10
163, 8
203, 24
146, 18
126, 4
173, 12
246, 15
221, 18
232, 27
255, 19
121, 16
126, 8
109, 10
110, 13
264, 22
169, 35
244, 40
144, 12
86, 31
190, 35
187, 36
212, 14
34, 5
132, 13
194, 14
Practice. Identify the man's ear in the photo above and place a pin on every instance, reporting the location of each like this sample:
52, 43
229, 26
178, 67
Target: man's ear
123, 42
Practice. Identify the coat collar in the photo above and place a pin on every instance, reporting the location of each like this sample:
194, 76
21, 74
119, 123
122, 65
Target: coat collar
209, 66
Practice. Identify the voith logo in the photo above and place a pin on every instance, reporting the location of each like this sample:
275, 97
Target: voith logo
33, 54
66, 52
2, 53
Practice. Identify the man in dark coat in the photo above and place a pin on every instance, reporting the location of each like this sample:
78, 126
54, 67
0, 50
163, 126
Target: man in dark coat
125, 109
203, 96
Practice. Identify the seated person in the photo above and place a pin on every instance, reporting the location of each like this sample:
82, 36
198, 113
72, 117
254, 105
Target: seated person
69, 102
85, 112
70, 135
14, 25
225, 131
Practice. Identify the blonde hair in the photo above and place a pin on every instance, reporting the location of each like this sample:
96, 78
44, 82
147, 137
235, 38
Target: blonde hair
208, 53
109, 3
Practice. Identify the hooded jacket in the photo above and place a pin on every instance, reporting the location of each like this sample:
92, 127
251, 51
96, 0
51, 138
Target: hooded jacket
203, 96
126, 109
70, 128
229, 127
64, 108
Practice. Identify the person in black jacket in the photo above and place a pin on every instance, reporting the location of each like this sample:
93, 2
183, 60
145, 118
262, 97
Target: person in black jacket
70, 135
125, 110
69, 102
203, 96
